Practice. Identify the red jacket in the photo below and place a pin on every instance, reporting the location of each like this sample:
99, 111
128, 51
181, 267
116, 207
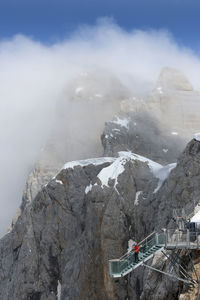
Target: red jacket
136, 248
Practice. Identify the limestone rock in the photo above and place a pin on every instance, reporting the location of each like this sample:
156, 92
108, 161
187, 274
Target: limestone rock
171, 78
72, 223
70, 230
87, 102
140, 133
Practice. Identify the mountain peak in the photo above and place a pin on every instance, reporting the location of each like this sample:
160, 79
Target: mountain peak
174, 79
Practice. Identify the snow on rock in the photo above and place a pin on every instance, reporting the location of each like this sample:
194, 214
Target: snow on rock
86, 162
160, 172
160, 90
165, 150
112, 171
78, 89
197, 136
116, 129
88, 188
98, 95
59, 291
163, 173
122, 122
117, 167
154, 166
196, 218
174, 133
136, 202
59, 181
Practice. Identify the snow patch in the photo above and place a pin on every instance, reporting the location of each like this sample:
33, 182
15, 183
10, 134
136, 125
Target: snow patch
58, 291
59, 181
112, 172
98, 95
136, 202
174, 133
196, 218
163, 174
86, 162
78, 90
165, 150
121, 122
197, 136
160, 90
154, 166
116, 129
117, 167
160, 172
88, 188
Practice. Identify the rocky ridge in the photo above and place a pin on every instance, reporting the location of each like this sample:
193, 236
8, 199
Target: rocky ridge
71, 224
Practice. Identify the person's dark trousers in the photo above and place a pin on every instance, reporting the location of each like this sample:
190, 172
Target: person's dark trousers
136, 256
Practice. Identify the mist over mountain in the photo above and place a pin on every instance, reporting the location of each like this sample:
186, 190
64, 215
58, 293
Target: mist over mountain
34, 77
97, 148
76, 215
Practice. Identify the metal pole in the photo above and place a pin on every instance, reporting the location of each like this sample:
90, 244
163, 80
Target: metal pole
188, 238
156, 238
168, 274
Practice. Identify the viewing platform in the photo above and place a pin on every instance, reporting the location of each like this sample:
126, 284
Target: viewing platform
155, 242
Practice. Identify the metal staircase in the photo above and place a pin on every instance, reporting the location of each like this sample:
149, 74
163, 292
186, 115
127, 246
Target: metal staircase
182, 239
148, 247
169, 240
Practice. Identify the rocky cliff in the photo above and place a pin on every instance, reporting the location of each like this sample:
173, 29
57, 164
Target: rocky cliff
85, 216
72, 223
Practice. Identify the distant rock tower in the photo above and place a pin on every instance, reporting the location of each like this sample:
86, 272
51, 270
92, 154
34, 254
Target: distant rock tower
175, 102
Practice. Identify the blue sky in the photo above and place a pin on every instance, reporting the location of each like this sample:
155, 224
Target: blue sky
53, 20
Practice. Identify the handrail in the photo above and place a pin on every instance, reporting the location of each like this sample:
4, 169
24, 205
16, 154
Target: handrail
127, 253
147, 237
170, 239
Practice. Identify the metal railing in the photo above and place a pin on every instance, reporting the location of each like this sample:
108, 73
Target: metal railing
180, 239
170, 239
119, 266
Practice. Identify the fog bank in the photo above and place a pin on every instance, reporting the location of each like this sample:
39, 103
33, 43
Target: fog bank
34, 77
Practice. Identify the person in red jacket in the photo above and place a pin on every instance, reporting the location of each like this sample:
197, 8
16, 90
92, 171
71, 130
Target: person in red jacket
136, 249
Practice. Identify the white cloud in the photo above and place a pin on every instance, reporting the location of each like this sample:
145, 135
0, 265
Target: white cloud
33, 77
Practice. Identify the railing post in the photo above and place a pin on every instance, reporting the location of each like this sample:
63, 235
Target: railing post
156, 238
165, 233
188, 238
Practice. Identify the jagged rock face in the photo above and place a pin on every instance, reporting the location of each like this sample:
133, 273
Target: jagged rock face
84, 217
94, 98
68, 233
172, 102
175, 102
173, 79
87, 102
141, 133
182, 189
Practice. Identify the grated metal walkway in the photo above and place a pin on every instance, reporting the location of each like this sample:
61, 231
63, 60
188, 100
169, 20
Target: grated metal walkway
170, 239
